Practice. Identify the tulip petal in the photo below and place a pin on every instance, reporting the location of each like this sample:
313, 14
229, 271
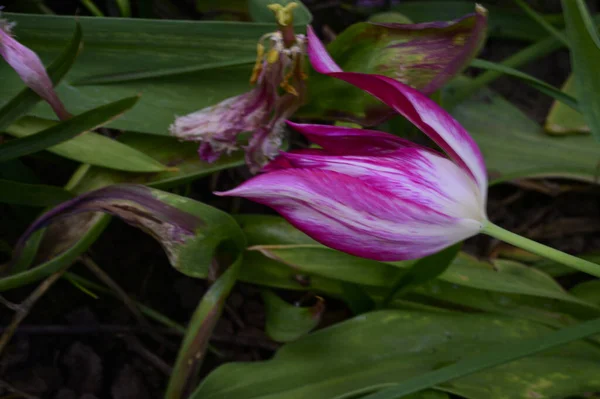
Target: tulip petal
30, 69
347, 140
354, 216
413, 175
424, 113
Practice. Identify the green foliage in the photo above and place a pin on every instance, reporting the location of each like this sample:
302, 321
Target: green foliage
286, 322
65, 130
563, 119
90, 148
585, 58
379, 349
514, 146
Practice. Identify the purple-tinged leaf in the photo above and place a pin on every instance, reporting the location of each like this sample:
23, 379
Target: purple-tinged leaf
189, 231
424, 56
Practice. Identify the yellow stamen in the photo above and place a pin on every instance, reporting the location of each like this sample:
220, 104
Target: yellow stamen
272, 56
260, 52
283, 14
285, 84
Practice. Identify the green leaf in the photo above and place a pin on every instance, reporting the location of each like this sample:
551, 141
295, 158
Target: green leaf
384, 348
65, 130
588, 291
548, 311
514, 146
542, 86
547, 377
165, 150
423, 56
260, 270
285, 322
271, 230
134, 46
12, 192
563, 119
204, 320
503, 276
90, 148
326, 262
503, 22
505, 354
287, 245
423, 271
260, 13
585, 58
26, 98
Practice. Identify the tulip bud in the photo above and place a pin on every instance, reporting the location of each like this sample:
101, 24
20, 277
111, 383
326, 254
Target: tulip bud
30, 69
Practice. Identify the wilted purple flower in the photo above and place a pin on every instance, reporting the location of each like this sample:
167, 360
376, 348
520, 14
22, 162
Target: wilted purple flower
424, 56
278, 92
29, 67
371, 193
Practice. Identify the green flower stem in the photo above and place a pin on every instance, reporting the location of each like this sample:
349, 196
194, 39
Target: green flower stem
540, 249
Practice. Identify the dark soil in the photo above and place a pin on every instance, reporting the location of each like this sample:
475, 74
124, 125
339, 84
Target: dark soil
73, 345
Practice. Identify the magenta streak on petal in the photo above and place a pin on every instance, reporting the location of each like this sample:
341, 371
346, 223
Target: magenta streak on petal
354, 216
30, 69
411, 174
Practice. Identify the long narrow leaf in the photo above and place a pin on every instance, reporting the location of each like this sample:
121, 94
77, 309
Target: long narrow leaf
91, 148
542, 86
501, 355
542, 21
26, 99
585, 59
65, 130
199, 331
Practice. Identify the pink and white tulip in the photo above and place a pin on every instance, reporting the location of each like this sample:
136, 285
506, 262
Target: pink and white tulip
370, 193
30, 69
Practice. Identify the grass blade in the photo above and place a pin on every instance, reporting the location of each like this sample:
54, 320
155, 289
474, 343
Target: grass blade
26, 99
542, 86
65, 130
528, 54
585, 59
542, 21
